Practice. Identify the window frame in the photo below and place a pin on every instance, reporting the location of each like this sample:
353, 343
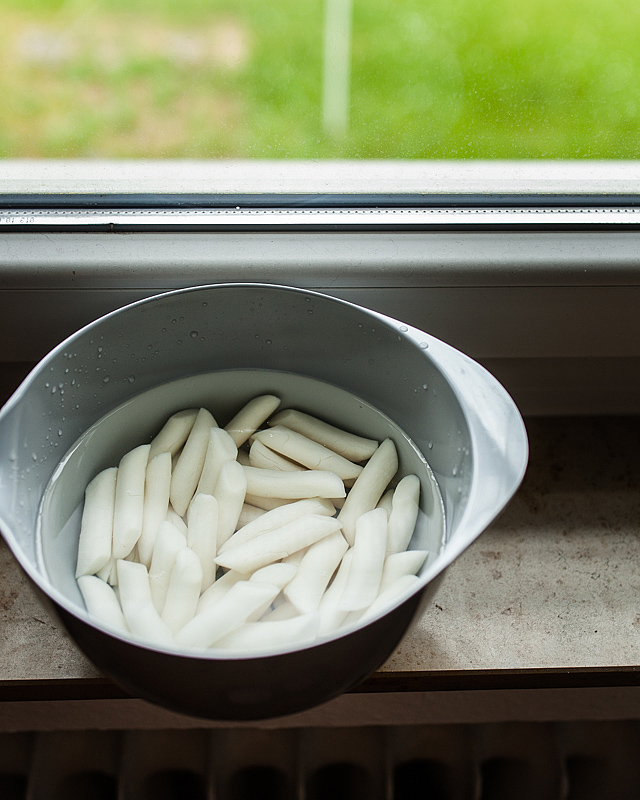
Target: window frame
531, 268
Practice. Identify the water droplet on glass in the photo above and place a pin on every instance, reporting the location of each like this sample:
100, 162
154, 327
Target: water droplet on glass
424, 386
424, 345
267, 341
131, 378
403, 328
430, 445
194, 334
164, 330
204, 305
454, 471
59, 431
47, 385
105, 379
34, 456
54, 389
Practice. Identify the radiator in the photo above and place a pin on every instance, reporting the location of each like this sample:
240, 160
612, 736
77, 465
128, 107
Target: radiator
505, 761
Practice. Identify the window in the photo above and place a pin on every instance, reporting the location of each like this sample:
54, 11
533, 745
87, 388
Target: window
321, 79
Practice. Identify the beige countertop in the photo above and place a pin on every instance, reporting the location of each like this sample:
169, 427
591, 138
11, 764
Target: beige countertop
547, 596
553, 583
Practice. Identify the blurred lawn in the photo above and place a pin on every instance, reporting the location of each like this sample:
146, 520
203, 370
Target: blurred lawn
243, 78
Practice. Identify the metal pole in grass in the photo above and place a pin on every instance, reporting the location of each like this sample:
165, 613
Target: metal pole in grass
336, 87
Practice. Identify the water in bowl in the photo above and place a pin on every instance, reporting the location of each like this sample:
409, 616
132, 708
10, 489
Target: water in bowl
223, 394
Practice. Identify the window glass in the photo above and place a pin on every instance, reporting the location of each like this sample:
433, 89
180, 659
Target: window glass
320, 78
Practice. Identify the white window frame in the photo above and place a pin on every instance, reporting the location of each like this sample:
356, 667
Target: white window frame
533, 268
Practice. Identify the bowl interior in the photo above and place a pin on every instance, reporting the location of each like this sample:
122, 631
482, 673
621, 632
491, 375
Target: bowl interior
223, 393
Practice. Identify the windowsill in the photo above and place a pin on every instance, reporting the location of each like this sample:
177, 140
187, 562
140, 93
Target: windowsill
544, 599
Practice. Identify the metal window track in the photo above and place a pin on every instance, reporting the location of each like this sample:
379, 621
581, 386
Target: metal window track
331, 219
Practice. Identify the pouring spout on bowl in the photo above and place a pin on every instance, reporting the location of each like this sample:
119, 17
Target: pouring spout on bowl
20, 487
499, 445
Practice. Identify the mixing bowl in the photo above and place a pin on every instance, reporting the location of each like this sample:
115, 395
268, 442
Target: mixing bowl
449, 408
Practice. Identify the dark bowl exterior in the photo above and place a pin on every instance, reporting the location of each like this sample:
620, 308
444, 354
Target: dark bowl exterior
248, 688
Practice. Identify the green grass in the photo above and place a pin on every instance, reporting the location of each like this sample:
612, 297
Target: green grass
243, 78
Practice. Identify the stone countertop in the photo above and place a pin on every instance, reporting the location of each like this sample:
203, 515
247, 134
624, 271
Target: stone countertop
547, 596
553, 584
